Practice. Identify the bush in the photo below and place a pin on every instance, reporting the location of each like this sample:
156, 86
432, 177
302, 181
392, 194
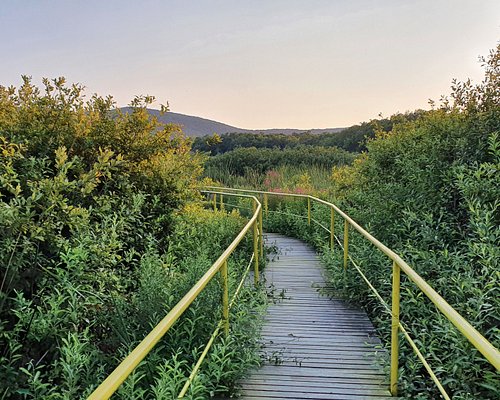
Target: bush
96, 242
241, 161
429, 189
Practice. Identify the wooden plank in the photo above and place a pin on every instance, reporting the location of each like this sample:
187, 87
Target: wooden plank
274, 394
314, 388
313, 347
340, 383
320, 370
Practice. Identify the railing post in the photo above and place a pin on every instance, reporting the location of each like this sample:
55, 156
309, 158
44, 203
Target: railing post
266, 205
396, 274
332, 234
261, 231
222, 202
309, 211
346, 244
215, 202
255, 248
225, 298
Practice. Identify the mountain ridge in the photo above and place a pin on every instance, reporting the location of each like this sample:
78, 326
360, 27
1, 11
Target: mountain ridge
193, 126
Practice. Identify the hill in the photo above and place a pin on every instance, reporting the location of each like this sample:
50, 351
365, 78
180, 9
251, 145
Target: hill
196, 127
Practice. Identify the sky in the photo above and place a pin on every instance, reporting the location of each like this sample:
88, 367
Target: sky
254, 64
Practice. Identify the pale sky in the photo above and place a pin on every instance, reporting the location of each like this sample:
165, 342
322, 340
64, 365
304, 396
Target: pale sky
250, 63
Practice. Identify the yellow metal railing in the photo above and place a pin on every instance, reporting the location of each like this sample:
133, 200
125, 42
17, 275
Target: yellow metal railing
106, 389
473, 336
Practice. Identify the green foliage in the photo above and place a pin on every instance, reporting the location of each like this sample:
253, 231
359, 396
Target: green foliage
429, 189
252, 162
286, 178
352, 139
97, 243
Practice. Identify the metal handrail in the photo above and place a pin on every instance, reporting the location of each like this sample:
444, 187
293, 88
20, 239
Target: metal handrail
125, 368
468, 331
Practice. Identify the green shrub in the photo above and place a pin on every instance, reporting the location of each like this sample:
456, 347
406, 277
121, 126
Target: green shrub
97, 243
242, 161
429, 189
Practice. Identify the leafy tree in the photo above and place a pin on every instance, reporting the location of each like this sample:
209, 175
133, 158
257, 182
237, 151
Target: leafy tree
352, 139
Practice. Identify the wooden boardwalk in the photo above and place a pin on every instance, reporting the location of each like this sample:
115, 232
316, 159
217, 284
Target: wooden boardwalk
314, 347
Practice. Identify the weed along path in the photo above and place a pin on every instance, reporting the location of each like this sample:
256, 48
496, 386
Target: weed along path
314, 347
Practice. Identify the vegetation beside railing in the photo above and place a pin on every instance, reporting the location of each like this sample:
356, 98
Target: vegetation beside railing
102, 232
250, 164
219, 315
429, 189
361, 268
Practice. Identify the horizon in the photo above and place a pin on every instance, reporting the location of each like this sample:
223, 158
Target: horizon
263, 65
242, 127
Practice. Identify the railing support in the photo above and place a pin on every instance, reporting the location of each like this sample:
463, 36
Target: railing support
332, 234
396, 274
308, 211
222, 202
266, 207
261, 236
346, 244
215, 202
225, 298
255, 248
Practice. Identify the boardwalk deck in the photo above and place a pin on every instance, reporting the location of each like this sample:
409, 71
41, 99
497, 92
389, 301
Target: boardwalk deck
314, 347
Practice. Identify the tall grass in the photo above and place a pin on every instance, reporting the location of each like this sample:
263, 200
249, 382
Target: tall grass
282, 178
